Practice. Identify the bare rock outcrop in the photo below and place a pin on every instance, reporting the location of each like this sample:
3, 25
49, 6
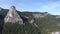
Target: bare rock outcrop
12, 16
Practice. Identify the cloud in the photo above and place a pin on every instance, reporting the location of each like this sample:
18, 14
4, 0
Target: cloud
7, 1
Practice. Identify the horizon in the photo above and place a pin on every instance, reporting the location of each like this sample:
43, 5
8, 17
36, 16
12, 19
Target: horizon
50, 6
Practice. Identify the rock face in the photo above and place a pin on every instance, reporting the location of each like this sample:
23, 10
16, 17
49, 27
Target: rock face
39, 15
58, 16
12, 16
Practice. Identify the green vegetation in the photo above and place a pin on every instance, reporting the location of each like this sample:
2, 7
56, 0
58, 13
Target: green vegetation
19, 29
45, 25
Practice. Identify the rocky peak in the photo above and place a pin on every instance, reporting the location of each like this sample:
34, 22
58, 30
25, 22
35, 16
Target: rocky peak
12, 8
12, 16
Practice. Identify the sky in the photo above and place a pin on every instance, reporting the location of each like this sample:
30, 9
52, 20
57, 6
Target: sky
50, 6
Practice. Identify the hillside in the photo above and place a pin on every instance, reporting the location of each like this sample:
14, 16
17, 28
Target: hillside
48, 23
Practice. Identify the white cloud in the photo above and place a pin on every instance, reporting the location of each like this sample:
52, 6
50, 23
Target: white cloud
6, 1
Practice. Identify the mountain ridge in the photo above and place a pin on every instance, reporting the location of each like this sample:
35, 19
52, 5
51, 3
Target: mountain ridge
46, 24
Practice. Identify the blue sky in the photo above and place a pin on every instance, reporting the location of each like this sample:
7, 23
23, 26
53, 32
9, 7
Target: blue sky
50, 6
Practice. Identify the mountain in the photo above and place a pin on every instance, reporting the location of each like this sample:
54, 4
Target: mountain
12, 16
44, 23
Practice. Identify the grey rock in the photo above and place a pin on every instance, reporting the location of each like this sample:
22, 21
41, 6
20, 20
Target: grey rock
12, 16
